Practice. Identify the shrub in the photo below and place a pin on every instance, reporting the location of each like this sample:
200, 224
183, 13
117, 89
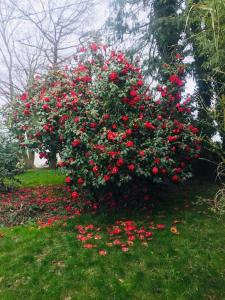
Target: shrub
110, 130
37, 115
119, 134
10, 164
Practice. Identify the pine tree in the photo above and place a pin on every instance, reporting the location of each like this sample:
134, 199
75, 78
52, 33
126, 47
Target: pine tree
151, 28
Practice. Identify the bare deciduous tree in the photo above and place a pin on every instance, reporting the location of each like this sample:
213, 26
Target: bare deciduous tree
7, 30
18, 64
36, 34
60, 23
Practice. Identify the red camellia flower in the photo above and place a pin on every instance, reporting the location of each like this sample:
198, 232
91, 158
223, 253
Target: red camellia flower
155, 170
46, 127
113, 76
133, 93
125, 118
68, 180
93, 125
172, 138
106, 116
59, 105
76, 119
175, 178
120, 162
175, 79
45, 106
24, 96
26, 112
75, 143
80, 181
193, 129
178, 56
178, 170
149, 125
94, 47
140, 82
91, 162
131, 167
95, 169
131, 238
75, 195
115, 170
142, 153
130, 144
128, 131
112, 135
106, 178
27, 105
157, 160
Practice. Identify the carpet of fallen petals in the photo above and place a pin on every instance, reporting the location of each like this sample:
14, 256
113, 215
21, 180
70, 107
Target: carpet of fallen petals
52, 205
44, 204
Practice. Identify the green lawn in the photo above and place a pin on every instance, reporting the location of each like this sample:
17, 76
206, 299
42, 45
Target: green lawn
38, 177
50, 263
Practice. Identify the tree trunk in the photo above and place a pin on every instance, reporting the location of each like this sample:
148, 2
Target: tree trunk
167, 28
28, 158
52, 160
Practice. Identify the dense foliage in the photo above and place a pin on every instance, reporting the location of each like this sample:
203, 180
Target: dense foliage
110, 129
37, 115
10, 164
205, 26
150, 28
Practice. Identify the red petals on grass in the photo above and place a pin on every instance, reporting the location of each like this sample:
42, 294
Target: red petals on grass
161, 226
53, 202
122, 234
102, 252
125, 249
89, 246
116, 242
115, 231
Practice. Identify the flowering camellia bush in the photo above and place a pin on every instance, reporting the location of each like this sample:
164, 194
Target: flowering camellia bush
110, 130
119, 134
41, 111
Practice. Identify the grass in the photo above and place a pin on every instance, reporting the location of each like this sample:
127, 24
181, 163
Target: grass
50, 263
39, 177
